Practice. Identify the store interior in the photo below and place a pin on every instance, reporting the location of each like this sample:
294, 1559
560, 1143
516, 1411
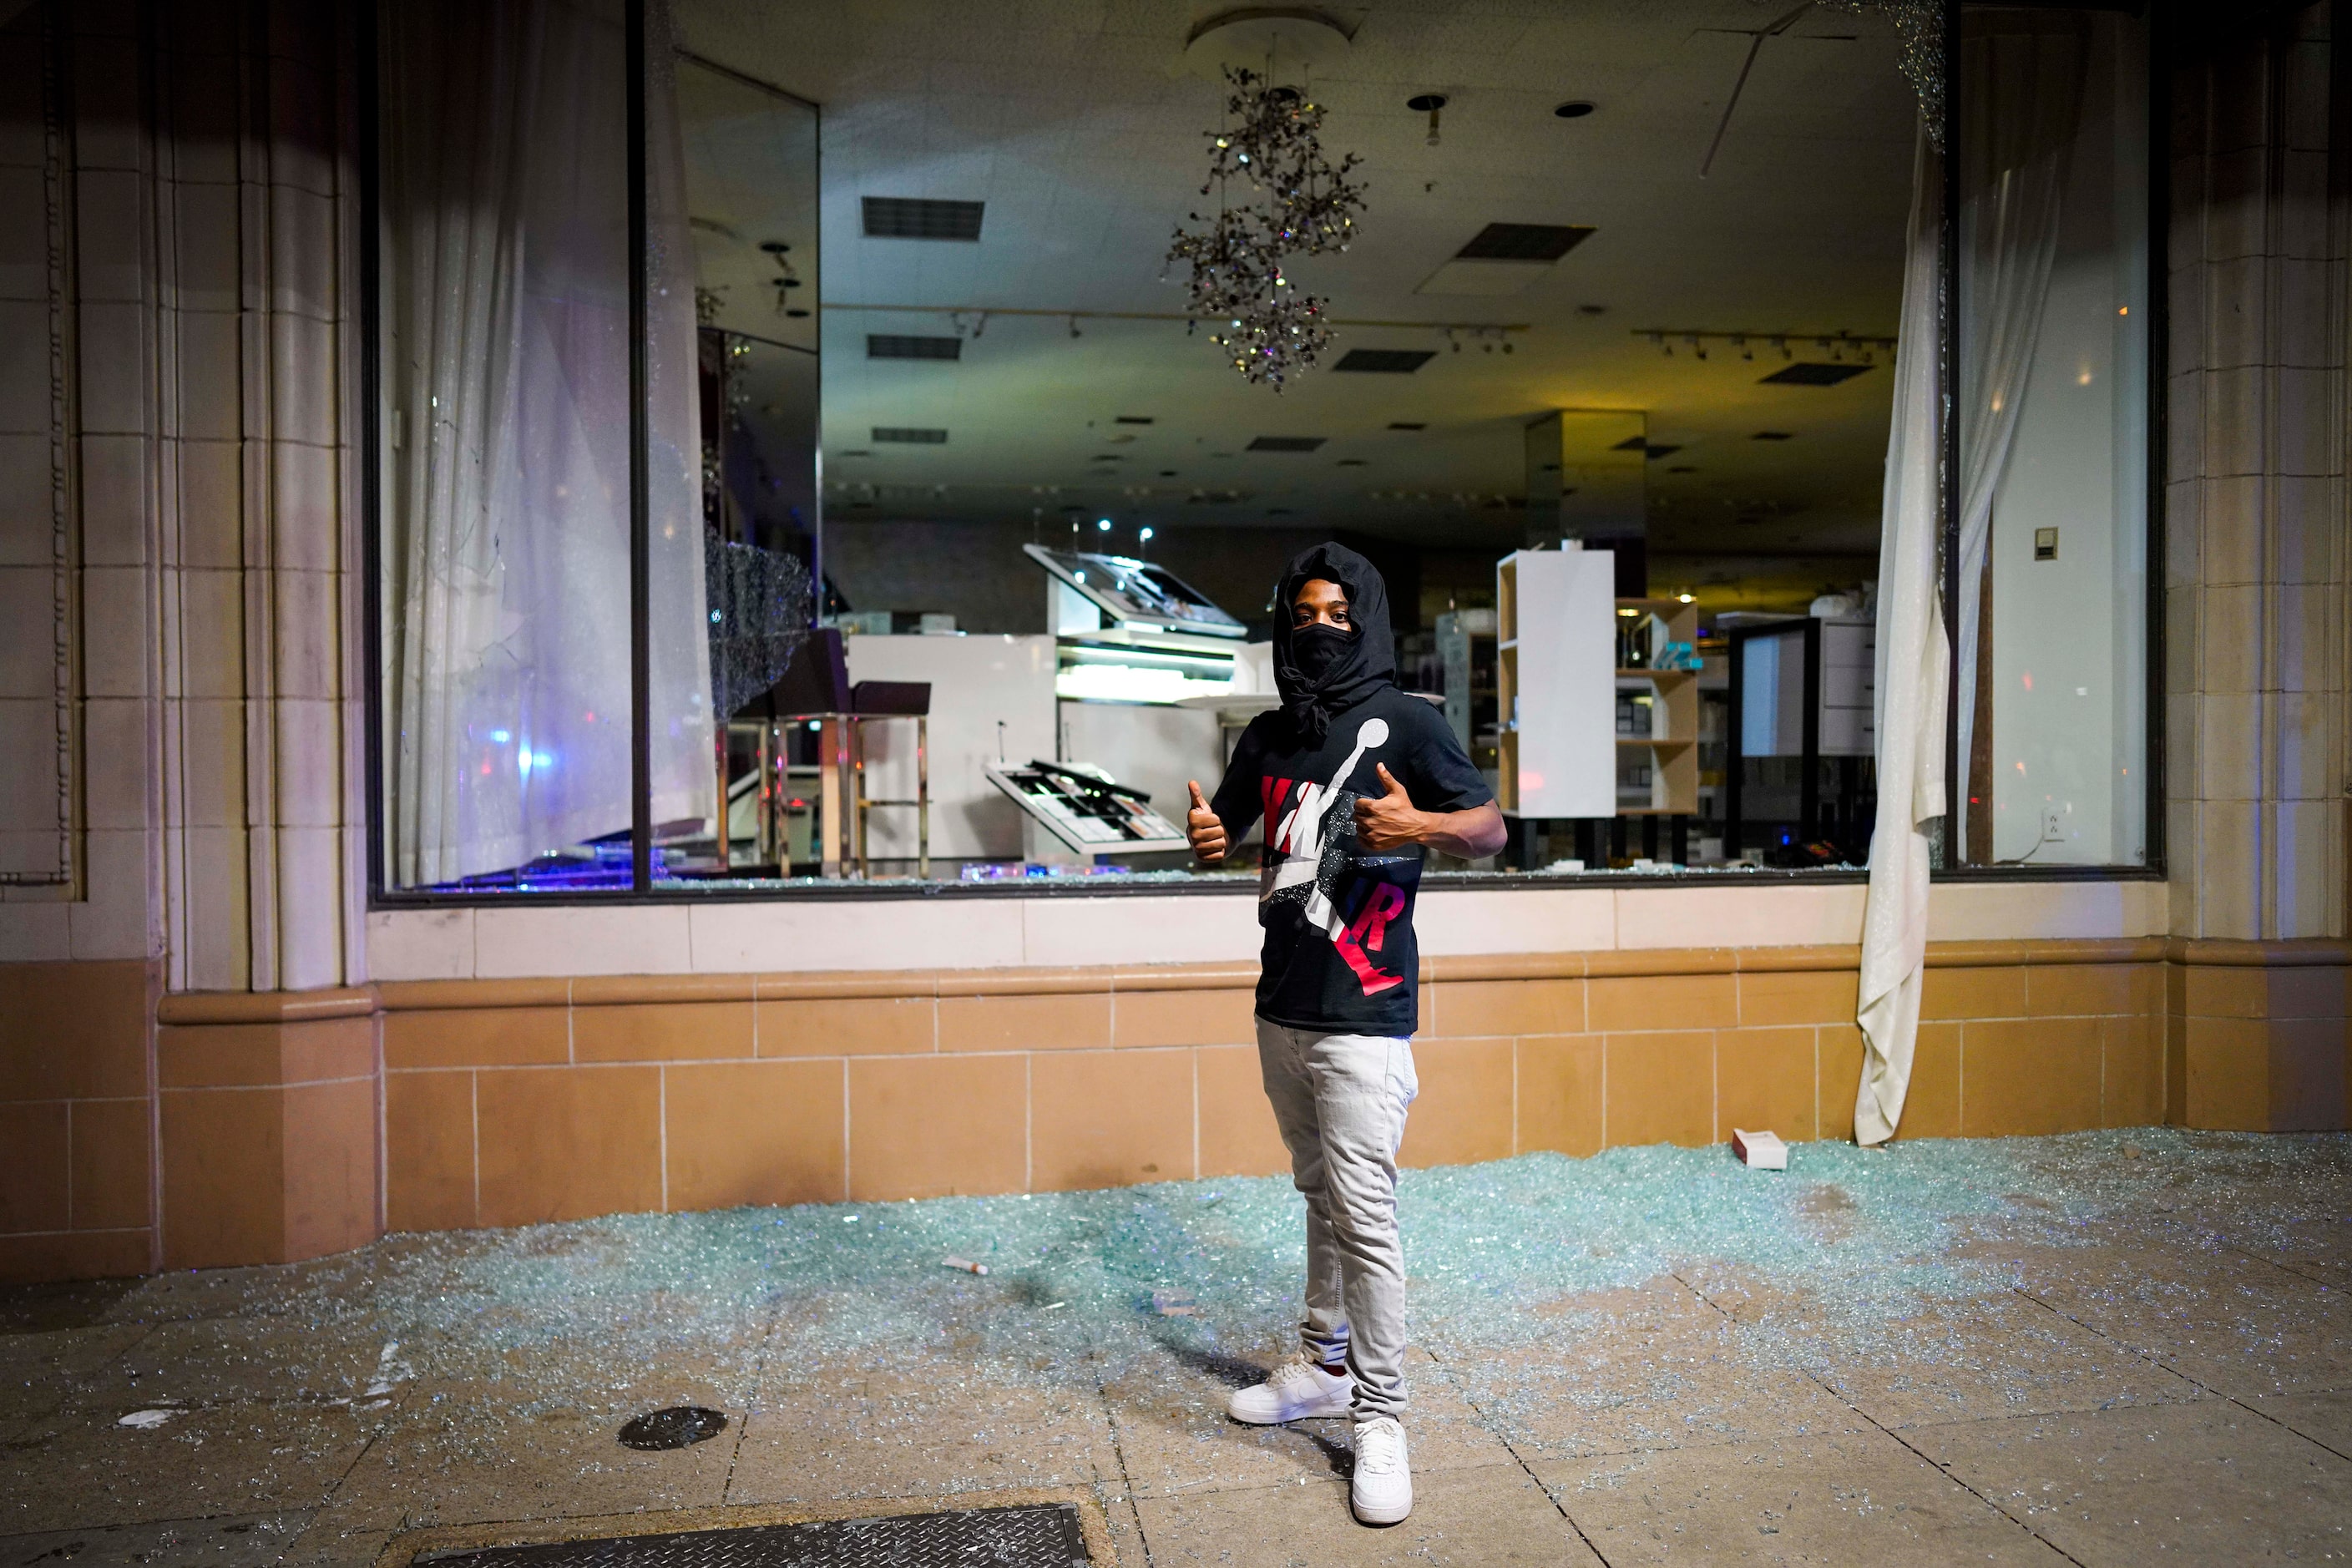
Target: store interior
991, 516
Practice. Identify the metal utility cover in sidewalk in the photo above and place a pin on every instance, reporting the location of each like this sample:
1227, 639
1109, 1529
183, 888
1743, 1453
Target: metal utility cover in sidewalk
1045, 1535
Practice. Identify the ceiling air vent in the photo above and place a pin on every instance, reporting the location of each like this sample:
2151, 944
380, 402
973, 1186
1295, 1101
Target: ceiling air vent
910, 436
1812, 373
1505, 258
1133, 420
891, 345
1771, 435
915, 217
1286, 443
1647, 449
1407, 425
1385, 361
1523, 242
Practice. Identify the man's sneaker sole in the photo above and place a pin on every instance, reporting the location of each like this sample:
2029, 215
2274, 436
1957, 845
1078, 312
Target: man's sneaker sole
1380, 1515
1311, 1413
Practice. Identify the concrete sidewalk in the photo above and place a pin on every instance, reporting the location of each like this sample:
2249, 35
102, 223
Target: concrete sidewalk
2125, 1346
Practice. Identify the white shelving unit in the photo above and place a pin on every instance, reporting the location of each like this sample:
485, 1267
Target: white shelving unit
1555, 682
1657, 761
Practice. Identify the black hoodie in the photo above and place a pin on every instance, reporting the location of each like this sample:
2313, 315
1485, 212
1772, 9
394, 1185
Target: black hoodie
1369, 662
1339, 955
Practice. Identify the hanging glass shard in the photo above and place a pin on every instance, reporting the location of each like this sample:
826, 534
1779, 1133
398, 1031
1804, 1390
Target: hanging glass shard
759, 618
1919, 26
1297, 203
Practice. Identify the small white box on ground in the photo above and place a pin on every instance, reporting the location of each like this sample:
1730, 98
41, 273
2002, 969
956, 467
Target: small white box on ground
1760, 1150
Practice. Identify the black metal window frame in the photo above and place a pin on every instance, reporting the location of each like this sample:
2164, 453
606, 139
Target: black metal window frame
643, 890
2160, 187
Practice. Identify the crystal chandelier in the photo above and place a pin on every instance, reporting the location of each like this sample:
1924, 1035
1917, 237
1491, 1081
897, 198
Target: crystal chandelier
1297, 203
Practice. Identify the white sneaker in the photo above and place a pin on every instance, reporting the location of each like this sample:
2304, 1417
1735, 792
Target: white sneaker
1382, 1492
1293, 1392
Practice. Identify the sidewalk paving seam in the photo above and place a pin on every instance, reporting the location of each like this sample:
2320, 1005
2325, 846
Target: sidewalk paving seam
2157, 1361
1118, 1452
1512, 1448
1881, 1426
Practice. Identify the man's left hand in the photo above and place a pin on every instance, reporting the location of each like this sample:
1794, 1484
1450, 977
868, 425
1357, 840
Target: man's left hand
1389, 821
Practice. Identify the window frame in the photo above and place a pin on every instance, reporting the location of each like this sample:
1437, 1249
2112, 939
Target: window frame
2158, 313
643, 890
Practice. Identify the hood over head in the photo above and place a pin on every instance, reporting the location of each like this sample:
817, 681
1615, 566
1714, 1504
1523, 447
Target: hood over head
1368, 662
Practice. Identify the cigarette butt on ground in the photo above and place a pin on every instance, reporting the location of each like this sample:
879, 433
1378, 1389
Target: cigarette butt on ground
966, 1264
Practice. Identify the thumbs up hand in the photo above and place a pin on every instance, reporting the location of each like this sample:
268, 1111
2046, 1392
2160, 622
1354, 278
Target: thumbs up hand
1205, 828
1387, 820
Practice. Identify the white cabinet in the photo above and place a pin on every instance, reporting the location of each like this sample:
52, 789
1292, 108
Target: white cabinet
1557, 682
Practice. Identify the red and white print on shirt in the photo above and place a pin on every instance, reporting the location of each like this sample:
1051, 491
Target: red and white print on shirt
1308, 828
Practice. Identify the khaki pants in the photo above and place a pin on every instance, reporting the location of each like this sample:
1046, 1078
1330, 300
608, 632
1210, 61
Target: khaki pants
1340, 1101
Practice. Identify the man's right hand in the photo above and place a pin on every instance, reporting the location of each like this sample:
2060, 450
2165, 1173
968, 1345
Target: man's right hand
1205, 828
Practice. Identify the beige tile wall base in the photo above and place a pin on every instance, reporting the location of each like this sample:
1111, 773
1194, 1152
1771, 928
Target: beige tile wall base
294, 1124
2255, 1035
267, 1125
891, 1084
77, 1112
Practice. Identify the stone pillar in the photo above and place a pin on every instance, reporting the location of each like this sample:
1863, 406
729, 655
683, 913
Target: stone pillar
195, 164
2257, 550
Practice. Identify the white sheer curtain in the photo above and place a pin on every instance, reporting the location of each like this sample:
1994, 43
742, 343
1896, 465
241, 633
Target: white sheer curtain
2021, 83
506, 552
1913, 674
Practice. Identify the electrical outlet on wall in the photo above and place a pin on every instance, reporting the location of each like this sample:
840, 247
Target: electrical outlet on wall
2052, 820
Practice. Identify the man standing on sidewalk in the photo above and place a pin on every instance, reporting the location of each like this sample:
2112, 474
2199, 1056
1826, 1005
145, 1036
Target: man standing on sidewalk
1355, 780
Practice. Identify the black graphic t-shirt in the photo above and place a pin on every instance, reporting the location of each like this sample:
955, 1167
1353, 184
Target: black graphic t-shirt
1340, 956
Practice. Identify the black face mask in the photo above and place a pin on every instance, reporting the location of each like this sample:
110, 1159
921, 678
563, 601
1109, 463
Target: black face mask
1315, 648
1322, 669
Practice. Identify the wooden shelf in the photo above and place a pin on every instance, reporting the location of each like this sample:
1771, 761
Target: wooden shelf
1674, 759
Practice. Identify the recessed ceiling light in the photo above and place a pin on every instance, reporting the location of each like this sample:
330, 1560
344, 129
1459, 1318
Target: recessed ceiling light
1428, 104
1574, 109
